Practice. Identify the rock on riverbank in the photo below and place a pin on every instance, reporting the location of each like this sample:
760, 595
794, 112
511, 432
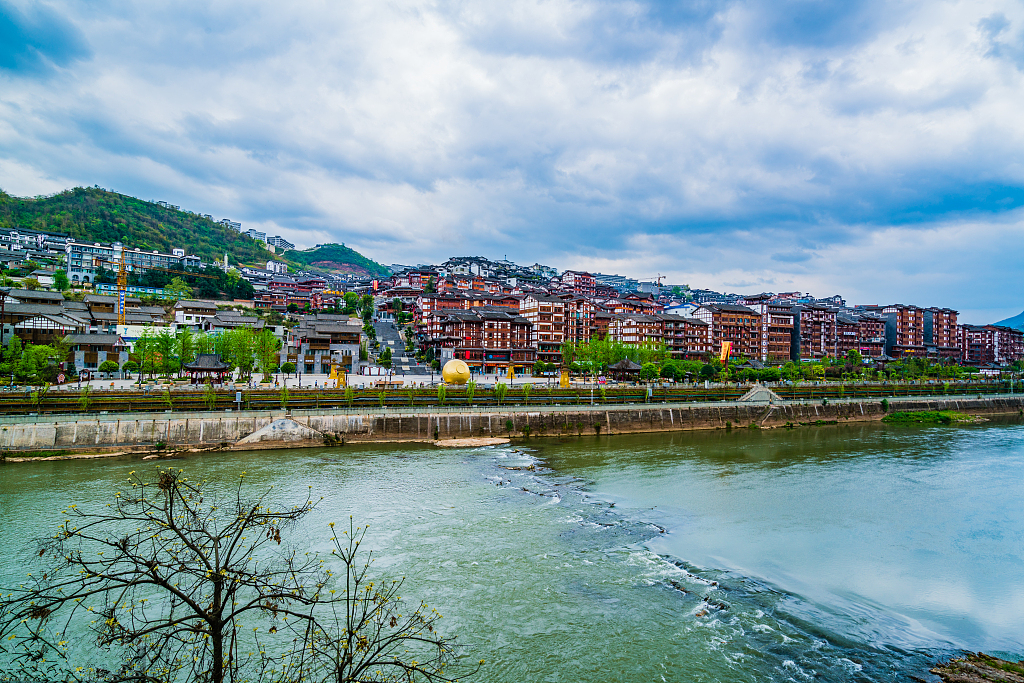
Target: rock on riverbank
980, 668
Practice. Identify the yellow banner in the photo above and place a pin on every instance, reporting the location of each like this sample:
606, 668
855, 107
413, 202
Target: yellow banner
726, 350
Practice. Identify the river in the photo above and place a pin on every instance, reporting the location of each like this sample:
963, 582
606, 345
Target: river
842, 553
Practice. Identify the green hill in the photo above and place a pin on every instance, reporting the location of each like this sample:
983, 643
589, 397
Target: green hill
1016, 321
336, 258
97, 215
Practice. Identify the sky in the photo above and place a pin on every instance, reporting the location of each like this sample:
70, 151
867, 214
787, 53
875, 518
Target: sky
858, 147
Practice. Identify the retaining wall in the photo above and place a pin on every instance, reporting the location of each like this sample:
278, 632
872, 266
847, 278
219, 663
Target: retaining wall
127, 430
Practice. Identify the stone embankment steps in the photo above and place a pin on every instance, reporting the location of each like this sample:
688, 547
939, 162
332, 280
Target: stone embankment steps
277, 428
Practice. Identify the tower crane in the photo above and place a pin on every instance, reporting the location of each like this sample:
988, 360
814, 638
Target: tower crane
122, 282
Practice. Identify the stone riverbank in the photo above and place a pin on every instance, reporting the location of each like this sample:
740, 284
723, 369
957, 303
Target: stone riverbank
247, 430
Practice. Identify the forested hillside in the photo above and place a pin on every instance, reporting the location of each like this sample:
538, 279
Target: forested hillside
100, 216
336, 258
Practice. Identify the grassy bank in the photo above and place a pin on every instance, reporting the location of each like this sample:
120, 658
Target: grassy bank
943, 417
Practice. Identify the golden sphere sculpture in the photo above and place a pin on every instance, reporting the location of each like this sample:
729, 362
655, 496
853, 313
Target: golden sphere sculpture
455, 371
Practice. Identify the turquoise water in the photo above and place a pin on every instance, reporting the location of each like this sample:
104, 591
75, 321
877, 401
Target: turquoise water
851, 553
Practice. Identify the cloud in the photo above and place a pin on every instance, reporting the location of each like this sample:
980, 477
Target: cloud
37, 39
764, 144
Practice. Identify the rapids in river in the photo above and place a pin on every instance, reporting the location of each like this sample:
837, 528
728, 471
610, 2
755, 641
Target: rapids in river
842, 553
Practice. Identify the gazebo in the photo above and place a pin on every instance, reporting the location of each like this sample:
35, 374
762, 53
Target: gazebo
207, 366
624, 369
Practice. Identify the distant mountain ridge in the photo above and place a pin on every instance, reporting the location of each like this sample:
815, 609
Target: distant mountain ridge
1016, 321
97, 215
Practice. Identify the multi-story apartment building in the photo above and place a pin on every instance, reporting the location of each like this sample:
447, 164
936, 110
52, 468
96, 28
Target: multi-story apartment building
546, 315
871, 330
981, 344
82, 259
579, 317
912, 331
487, 339
847, 334
279, 242
940, 333
777, 324
814, 332
579, 282
635, 328
732, 323
685, 338
256, 235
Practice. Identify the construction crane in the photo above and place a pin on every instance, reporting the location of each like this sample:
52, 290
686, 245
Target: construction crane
122, 282
122, 288
183, 272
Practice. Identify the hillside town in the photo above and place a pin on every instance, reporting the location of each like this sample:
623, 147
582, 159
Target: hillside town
497, 316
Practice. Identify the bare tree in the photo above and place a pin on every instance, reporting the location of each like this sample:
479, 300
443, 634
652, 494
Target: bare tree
178, 583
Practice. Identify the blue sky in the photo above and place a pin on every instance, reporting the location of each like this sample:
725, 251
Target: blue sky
872, 149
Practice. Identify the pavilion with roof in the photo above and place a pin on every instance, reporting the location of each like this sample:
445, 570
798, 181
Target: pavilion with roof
207, 367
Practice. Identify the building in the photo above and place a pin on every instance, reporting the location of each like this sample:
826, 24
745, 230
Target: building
636, 329
983, 344
814, 332
487, 339
277, 267
89, 351
777, 325
193, 312
732, 323
579, 282
256, 235
227, 222
911, 331
322, 339
579, 317
83, 259
940, 333
546, 315
685, 338
279, 242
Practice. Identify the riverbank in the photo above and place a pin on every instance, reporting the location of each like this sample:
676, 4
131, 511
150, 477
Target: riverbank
254, 430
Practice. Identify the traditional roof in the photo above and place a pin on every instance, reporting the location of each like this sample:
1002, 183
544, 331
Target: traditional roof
205, 305
730, 308
57, 319
36, 295
101, 299
209, 362
96, 339
625, 365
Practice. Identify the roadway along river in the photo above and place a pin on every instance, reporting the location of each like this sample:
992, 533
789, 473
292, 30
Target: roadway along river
850, 553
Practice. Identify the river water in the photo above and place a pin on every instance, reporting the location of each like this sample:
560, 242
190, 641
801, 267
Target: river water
841, 553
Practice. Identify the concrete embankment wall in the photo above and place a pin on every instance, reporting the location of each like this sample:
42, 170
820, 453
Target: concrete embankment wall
275, 429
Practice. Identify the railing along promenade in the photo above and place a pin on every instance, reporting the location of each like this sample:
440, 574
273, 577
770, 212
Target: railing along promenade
178, 399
